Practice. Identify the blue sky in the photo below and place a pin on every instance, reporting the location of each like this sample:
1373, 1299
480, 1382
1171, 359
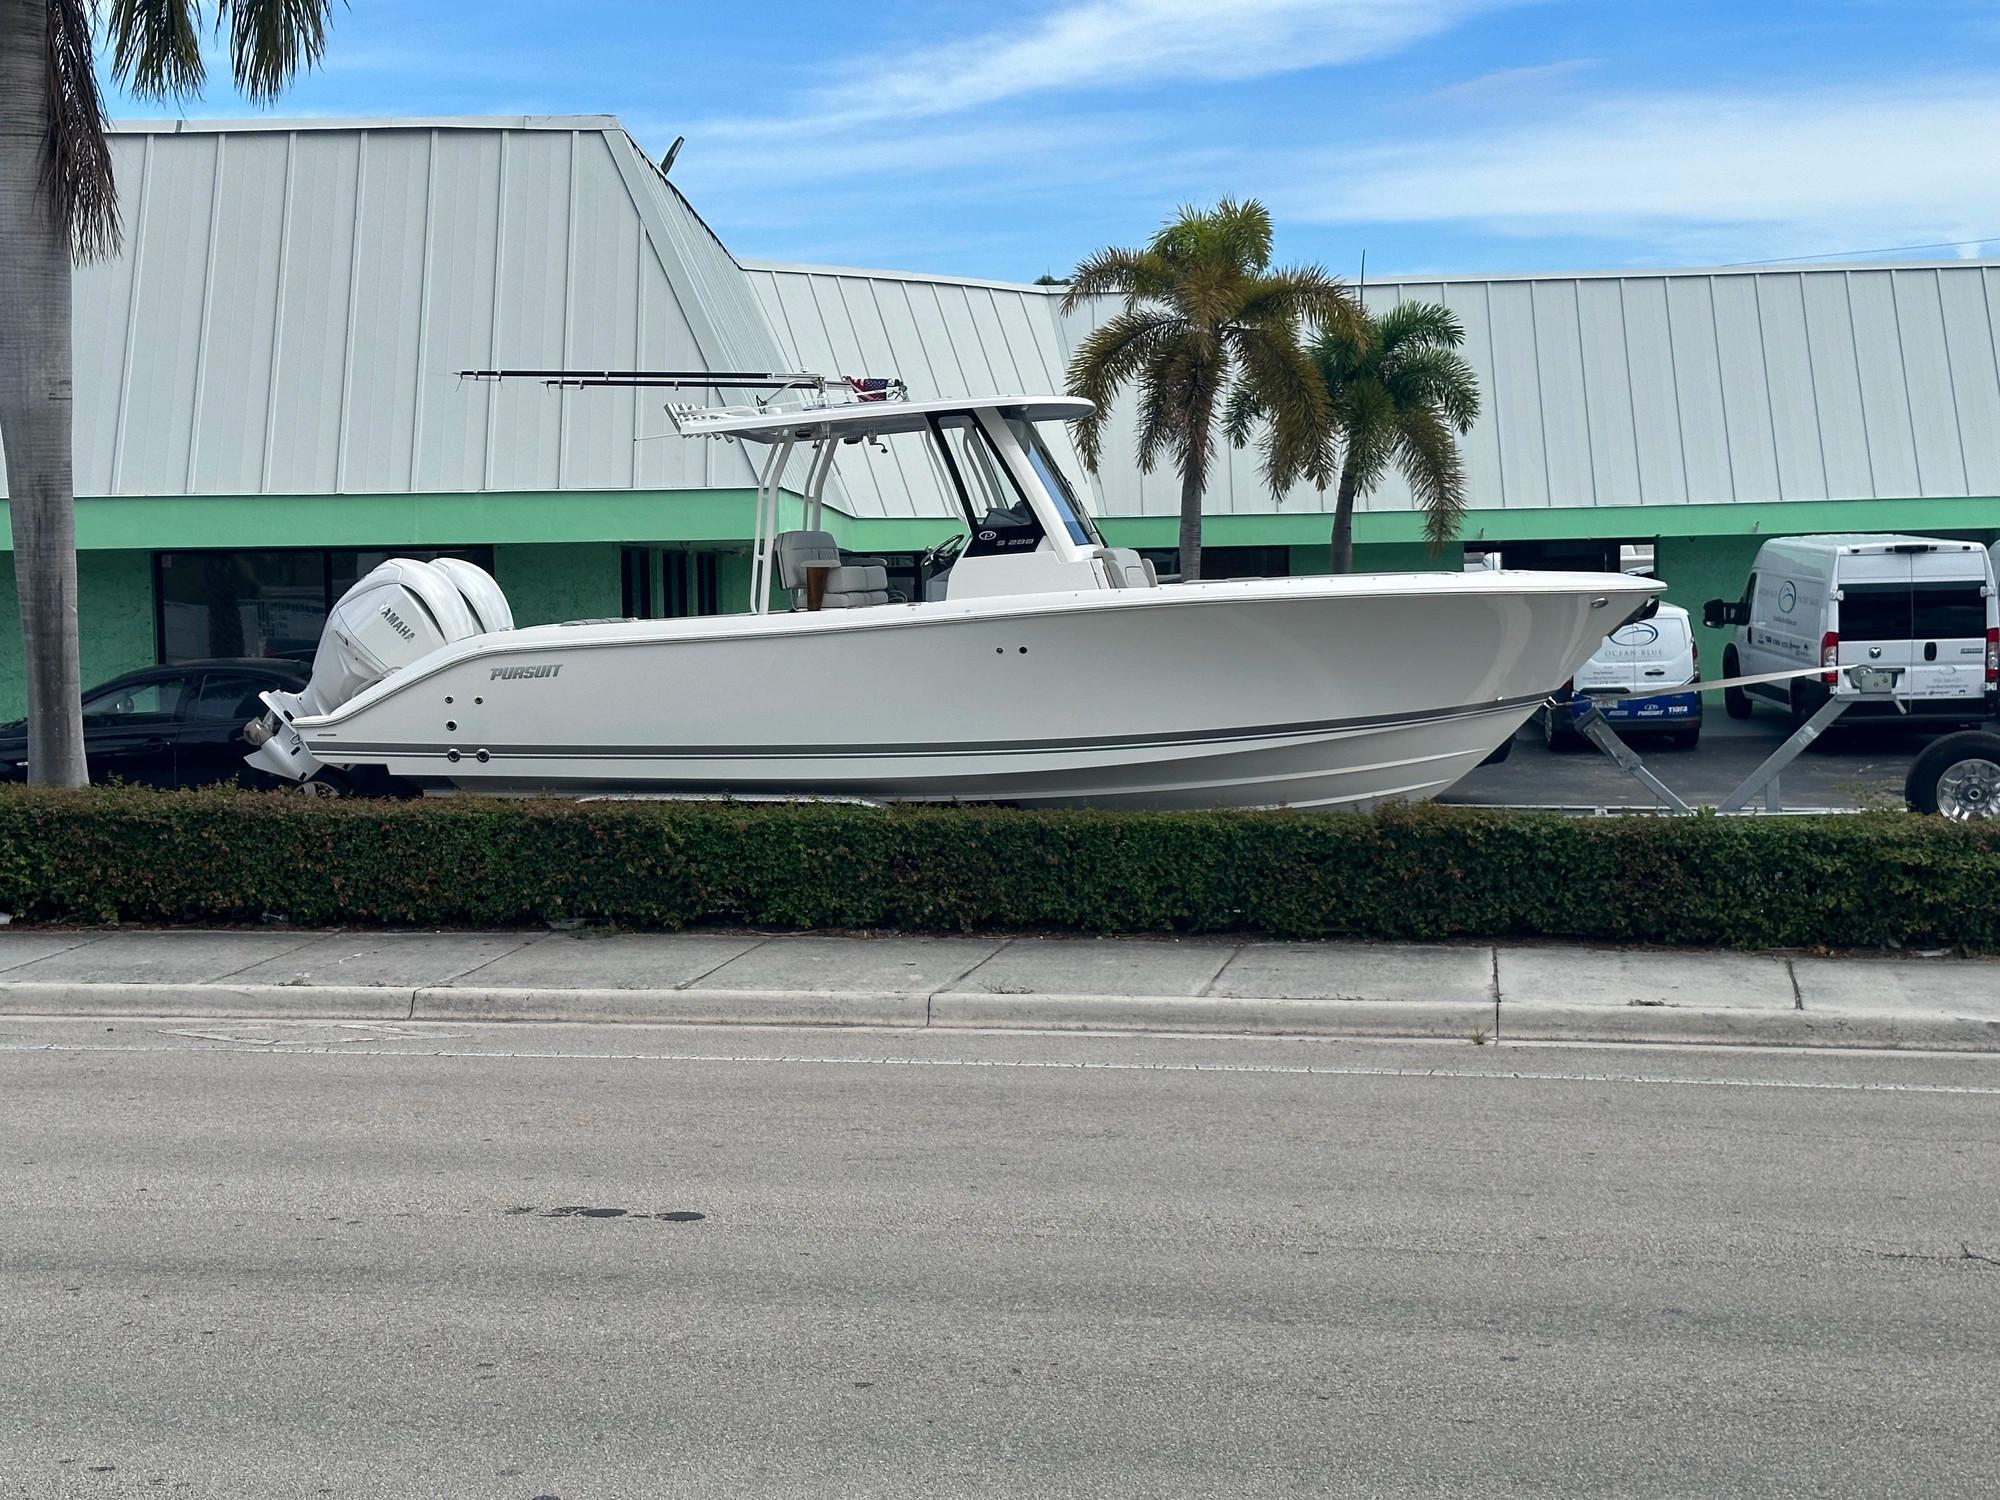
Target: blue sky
1435, 135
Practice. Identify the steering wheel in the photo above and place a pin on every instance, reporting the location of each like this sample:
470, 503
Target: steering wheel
944, 554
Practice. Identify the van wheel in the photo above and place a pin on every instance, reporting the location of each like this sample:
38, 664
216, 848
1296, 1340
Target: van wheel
1808, 698
1735, 701
1556, 736
1958, 777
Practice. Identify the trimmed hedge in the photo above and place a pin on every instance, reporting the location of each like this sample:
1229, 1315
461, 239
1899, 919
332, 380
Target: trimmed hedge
134, 855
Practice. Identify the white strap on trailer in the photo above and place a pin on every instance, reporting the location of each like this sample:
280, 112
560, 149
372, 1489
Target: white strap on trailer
1703, 686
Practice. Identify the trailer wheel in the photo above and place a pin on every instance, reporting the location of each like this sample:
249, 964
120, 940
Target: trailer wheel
1735, 701
1958, 777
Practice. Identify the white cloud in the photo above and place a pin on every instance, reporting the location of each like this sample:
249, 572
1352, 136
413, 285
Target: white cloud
1114, 43
1825, 169
1100, 44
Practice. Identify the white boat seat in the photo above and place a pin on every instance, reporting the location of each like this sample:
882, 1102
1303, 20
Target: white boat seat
1127, 568
848, 585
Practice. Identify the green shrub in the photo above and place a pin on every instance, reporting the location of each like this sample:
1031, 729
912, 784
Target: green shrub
1410, 873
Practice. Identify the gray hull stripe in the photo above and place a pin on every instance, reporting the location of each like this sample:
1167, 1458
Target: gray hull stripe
968, 747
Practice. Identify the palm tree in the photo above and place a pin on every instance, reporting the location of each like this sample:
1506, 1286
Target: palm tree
58, 205
1204, 311
1397, 392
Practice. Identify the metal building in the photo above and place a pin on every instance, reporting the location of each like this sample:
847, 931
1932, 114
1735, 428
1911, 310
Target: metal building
267, 399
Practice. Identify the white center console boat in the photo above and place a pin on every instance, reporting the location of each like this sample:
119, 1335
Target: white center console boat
1045, 668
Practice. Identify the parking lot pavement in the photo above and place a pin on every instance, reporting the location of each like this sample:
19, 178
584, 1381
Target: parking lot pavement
1849, 768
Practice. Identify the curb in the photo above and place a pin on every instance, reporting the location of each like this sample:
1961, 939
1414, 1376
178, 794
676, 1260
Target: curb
980, 1010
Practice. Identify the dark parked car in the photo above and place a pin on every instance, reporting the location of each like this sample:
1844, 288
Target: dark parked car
170, 726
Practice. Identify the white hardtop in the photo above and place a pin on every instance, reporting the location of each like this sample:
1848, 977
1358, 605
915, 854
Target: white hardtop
865, 417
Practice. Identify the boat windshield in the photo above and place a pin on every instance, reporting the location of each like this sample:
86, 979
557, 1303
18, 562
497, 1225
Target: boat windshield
1075, 518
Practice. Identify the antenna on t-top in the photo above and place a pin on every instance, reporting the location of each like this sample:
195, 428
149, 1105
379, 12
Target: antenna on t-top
667, 161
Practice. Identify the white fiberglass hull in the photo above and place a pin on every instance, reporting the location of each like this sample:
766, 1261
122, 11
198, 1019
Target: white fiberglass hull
1290, 692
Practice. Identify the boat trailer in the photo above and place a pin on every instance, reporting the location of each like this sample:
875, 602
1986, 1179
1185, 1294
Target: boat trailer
1866, 684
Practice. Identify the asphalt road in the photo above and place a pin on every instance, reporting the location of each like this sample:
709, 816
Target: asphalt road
379, 1260
1849, 768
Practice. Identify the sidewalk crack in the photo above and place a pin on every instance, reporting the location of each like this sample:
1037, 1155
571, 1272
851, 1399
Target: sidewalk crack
527, 942
763, 942
930, 1000
1798, 995
1005, 944
1495, 951
1235, 952
307, 942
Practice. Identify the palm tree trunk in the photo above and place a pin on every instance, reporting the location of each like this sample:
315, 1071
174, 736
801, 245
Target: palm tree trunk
1200, 438
35, 400
1343, 521
1191, 488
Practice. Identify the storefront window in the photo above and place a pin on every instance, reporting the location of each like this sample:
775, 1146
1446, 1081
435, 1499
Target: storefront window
221, 604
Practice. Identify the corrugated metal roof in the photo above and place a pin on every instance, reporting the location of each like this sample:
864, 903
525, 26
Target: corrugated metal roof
293, 301
1690, 387
1664, 388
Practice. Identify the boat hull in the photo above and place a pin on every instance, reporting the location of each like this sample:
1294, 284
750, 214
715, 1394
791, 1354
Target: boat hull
1281, 693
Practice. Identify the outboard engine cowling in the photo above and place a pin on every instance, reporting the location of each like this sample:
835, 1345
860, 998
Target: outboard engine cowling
399, 614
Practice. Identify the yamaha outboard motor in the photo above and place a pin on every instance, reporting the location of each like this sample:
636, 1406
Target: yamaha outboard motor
399, 614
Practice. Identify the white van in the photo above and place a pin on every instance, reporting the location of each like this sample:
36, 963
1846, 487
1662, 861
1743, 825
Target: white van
1919, 603
1646, 656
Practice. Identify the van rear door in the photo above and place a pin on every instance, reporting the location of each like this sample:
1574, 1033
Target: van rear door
1873, 616
1923, 611
1948, 614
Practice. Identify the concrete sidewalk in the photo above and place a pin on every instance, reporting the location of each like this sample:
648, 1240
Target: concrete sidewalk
1510, 992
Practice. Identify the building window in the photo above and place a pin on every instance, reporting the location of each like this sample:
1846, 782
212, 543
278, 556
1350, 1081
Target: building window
636, 567
1224, 562
222, 604
665, 583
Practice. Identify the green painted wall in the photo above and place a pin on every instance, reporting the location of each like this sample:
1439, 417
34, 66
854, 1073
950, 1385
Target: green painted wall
1696, 569
250, 521
194, 521
1407, 557
1630, 522
114, 623
547, 584
115, 608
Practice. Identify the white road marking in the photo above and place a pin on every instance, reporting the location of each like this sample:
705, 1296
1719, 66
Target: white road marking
260, 1047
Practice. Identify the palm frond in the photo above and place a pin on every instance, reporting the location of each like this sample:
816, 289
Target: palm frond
156, 47
271, 41
1299, 442
1436, 378
1109, 272
1370, 425
1427, 453
1307, 298
1425, 324
1241, 413
77, 174
1209, 295
1112, 354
